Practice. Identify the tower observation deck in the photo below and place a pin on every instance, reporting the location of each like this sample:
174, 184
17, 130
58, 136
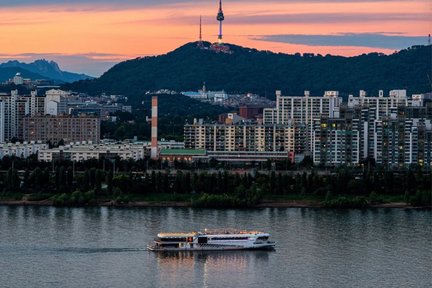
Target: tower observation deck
219, 47
220, 17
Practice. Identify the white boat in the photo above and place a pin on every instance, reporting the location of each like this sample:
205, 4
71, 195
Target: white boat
211, 239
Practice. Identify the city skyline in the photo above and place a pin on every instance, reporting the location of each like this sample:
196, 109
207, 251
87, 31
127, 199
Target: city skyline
91, 36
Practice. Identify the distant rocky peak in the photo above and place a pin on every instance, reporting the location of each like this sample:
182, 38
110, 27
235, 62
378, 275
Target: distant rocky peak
47, 65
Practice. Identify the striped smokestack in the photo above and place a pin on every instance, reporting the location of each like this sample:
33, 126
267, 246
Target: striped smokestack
154, 125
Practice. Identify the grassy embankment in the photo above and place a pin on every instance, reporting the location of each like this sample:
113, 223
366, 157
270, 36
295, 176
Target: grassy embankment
420, 199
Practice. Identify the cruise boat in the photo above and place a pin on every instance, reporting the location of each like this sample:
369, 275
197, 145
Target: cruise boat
211, 239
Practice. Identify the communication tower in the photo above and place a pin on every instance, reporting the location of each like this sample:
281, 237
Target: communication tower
220, 17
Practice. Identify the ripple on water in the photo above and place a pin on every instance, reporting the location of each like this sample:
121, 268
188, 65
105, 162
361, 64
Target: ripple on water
105, 247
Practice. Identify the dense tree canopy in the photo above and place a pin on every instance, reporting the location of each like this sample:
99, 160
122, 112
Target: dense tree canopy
212, 185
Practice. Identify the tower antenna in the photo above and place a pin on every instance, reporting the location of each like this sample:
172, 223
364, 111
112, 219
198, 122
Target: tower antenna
200, 43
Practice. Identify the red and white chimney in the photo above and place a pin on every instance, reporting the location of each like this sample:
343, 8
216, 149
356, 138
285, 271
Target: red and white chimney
154, 128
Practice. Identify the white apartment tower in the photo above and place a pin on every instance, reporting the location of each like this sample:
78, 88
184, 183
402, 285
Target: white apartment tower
383, 105
13, 109
56, 102
301, 111
37, 104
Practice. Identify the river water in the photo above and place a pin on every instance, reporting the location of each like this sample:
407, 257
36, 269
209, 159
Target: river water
105, 247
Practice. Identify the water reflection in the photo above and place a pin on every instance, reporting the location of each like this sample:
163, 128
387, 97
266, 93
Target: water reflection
203, 268
231, 259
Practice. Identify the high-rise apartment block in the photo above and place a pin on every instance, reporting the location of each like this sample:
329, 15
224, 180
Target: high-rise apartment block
43, 117
399, 142
56, 101
13, 109
335, 141
303, 109
239, 137
64, 127
37, 104
394, 130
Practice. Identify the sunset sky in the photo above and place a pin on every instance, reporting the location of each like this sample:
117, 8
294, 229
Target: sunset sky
92, 35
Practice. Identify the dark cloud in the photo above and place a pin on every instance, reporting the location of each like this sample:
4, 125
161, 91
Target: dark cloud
315, 18
373, 40
301, 18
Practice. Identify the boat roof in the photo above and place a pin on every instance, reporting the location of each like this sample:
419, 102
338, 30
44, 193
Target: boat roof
220, 231
177, 234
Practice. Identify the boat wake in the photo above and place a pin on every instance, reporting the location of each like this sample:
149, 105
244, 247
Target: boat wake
86, 250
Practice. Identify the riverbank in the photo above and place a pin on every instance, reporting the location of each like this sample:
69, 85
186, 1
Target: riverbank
264, 204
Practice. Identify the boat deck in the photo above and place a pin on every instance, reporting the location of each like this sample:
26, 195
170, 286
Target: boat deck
221, 231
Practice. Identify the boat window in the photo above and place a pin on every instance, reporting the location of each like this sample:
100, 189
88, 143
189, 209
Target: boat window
263, 238
173, 239
229, 238
202, 240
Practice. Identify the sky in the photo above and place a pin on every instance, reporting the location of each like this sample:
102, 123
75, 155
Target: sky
90, 36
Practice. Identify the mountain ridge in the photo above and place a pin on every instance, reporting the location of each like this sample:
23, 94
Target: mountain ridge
263, 72
47, 69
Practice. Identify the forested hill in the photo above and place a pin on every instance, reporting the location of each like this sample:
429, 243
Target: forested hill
263, 72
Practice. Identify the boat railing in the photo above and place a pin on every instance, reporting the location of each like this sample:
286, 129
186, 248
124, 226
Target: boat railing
228, 231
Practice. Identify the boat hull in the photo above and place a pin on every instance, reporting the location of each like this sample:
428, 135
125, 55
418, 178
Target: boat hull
212, 247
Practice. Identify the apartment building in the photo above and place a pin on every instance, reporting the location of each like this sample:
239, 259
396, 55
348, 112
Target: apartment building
240, 137
382, 104
300, 112
87, 151
399, 142
64, 127
13, 109
393, 129
336, 142
22, 150
303, 109
56, 102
